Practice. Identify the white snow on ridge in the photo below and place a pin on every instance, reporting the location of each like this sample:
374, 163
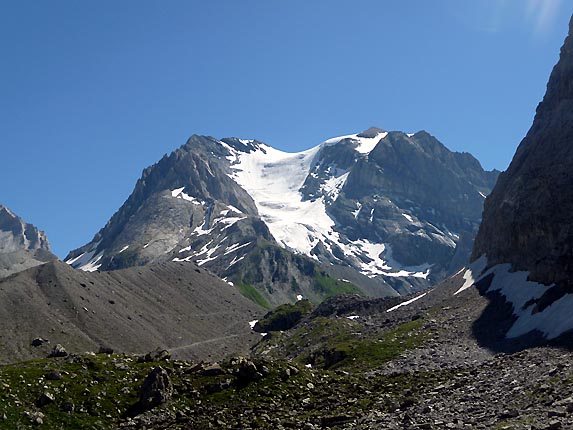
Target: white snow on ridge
221, 221
92, 265
209, 252
365, 144
357, 211
273, 179
236, 247
374, 265
334, 184
87, 261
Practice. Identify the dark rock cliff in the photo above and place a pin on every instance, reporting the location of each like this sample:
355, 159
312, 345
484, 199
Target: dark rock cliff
528, 218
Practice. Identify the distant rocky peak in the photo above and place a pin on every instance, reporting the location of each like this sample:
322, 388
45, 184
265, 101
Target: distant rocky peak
16, 235
244, 145
371, 132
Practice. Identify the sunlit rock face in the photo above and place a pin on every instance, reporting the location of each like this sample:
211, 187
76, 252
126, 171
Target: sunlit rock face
17, 235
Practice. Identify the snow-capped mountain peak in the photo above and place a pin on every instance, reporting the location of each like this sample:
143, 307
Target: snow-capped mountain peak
363, 142
393, 207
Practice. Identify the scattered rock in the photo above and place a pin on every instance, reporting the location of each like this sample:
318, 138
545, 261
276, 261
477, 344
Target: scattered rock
68, 406
53, 375
35, 417
105, 350
58, 351
157, 355
156, 389
45, 399
245, 370
212, 370
39, 341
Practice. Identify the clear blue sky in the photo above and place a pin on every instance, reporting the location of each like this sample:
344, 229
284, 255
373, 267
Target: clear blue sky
91, 92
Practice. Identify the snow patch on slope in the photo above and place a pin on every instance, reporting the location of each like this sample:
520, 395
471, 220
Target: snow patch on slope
472, 273
179, 194
365, 145
273, 179
87, 261
332, 186
407, 302
522, 293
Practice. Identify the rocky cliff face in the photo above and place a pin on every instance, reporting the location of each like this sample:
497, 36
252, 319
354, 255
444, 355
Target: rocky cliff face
523, 254
17, 235
21, 244
527, 218
390, 212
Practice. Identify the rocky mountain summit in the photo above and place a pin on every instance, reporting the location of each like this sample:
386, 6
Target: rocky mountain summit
22, 245
16, 234
386, 211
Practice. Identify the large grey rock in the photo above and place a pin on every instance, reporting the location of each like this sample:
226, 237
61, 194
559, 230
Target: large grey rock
156, 389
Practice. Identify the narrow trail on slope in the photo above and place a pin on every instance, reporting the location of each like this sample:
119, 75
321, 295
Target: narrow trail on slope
191, 345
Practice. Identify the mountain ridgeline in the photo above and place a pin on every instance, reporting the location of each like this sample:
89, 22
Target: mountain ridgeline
378, 213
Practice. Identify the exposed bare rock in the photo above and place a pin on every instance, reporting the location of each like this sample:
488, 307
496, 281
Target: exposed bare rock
527, 218
16, 235
156, 389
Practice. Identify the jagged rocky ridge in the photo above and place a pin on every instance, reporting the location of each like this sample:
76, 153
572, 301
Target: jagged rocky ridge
22, 245
524, 247
386, 211
16, 234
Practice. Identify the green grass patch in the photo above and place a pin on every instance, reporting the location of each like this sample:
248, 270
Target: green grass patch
370, 353
284, 317
99, 392
329, 287
252, 294
333, 344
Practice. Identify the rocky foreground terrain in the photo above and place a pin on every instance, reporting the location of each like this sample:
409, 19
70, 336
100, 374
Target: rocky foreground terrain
350, 363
